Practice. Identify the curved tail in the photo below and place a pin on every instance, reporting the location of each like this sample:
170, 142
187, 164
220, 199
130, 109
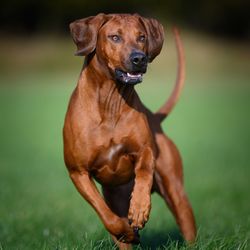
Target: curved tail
167, 107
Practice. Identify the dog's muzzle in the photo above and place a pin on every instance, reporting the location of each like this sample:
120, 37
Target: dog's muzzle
138, 62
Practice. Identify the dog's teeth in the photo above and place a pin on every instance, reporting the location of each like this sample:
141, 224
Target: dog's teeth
135, 76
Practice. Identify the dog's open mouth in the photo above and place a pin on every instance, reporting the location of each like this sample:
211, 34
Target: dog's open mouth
128, 78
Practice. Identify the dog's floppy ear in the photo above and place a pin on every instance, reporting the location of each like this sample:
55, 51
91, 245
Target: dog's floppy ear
84, 32
155, 37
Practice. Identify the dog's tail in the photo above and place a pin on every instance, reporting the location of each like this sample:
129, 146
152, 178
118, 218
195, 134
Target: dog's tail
167, 107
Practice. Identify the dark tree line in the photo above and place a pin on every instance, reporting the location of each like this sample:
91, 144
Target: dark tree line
225, 17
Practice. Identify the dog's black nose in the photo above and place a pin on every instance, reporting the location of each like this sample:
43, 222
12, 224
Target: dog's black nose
138, 59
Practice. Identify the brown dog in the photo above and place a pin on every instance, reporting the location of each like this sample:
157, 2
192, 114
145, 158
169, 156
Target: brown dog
110, 136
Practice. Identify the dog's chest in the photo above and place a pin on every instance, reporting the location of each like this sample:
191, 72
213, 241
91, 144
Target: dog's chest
114, 162
110, 152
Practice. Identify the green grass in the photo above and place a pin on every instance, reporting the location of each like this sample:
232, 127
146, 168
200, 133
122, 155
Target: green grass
39, 206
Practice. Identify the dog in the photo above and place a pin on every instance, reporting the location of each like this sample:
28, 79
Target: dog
111, 137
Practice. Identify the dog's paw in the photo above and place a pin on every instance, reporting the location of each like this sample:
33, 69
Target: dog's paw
124, 232
139, 210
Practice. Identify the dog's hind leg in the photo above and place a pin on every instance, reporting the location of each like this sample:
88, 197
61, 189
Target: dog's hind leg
169, 179
118, 199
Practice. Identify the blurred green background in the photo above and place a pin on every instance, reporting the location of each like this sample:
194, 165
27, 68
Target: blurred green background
39, 206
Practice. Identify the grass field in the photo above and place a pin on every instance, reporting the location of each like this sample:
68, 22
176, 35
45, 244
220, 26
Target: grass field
40, 208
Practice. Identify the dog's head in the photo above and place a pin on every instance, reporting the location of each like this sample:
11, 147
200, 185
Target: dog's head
125, 43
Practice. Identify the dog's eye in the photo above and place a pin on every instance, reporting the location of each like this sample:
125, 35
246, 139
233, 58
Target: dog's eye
115, 38
141, 38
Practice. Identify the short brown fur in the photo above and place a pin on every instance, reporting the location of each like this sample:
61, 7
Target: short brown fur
110, 136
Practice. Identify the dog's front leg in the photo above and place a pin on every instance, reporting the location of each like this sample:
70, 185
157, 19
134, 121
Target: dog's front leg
115, 225
140, 203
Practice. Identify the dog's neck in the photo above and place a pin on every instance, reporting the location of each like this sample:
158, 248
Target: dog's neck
111, 98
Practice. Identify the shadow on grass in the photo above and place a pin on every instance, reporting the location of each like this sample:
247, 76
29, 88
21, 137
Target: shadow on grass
149, 240
156, 239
